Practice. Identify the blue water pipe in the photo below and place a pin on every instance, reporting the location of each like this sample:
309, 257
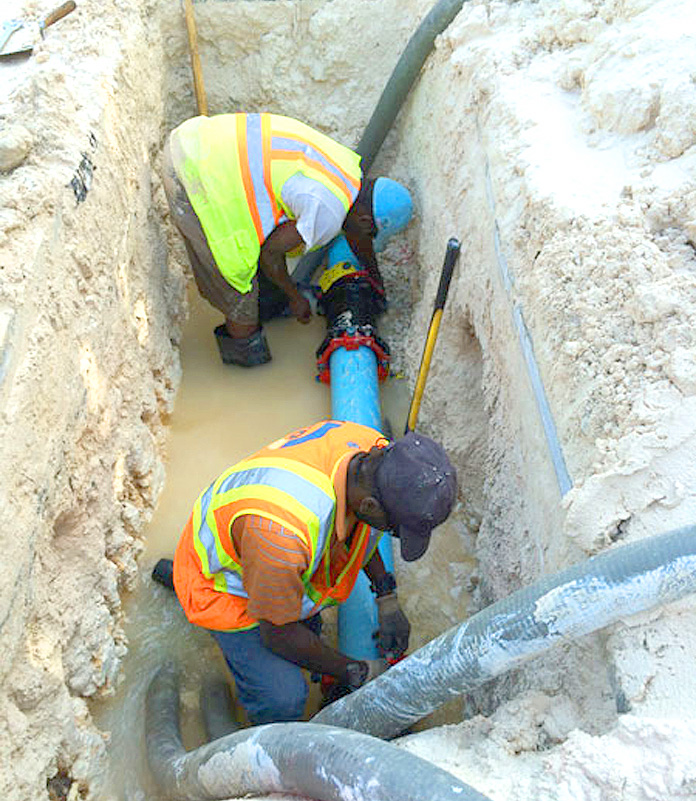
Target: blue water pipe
354, 380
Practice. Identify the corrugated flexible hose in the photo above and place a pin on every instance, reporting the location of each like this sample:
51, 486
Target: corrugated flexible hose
326, 763
580, 600
318, 762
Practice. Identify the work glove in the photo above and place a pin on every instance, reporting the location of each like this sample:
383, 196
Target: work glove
394, 628
375, 667
359, 673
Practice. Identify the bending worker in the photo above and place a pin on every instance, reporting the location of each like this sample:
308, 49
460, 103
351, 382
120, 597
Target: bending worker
285, 533
245, 190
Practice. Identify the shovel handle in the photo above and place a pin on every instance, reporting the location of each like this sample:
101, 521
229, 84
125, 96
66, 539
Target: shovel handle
451, 256
59, 13
198, 86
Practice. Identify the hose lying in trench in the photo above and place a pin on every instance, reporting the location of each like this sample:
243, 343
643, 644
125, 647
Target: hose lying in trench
317, 762
217, 709
331, 764
390, 101
580, 600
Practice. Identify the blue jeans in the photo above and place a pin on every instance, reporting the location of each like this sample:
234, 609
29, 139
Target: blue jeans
270, 688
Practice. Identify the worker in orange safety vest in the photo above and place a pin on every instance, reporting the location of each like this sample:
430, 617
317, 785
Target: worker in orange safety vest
285, 533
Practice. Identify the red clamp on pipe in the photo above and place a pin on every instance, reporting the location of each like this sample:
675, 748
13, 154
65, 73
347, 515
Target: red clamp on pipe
327, 683
352, 342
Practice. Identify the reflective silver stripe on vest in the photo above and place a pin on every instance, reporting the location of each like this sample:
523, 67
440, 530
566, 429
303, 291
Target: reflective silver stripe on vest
264, 202
309, 606
298, 146
307, 493
233, 582
372, 541
206, 534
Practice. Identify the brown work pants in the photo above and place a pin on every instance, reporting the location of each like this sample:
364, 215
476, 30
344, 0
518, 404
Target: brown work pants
240, 308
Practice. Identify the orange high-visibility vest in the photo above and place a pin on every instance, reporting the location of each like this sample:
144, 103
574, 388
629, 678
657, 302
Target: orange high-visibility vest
290, 482
234, 166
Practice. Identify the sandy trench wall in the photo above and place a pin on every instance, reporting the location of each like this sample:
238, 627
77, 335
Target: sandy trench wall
591, 189
322, 62
91, 310
478, 401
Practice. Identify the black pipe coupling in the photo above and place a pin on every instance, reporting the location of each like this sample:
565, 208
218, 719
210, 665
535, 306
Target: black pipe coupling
351, 302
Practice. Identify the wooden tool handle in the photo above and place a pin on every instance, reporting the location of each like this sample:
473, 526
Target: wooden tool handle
59, 13
198, 86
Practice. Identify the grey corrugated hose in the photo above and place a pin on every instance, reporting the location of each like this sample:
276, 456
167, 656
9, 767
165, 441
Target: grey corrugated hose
318, 762
396, 90
580, 600
332, 764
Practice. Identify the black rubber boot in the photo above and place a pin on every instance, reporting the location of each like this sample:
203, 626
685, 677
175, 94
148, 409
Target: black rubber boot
248, 352
163, 573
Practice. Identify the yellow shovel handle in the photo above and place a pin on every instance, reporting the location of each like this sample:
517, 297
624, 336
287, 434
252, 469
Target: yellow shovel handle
423, 371
451, 256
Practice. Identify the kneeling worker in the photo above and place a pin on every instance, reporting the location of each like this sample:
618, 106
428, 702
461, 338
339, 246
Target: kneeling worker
285, 533
245, 190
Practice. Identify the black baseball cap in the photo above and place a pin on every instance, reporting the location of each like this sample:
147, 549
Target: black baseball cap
417, 486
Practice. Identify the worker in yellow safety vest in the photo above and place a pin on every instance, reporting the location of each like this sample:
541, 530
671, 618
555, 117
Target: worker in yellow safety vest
285, 533
245, 190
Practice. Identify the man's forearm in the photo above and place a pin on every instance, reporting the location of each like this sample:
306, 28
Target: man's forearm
296, 643
375, 569
382, 582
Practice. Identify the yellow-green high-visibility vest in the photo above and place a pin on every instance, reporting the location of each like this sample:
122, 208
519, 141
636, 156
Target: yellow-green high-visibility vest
233, 168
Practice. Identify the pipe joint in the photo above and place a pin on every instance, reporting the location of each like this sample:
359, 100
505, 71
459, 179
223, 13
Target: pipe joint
351, 304
352, 339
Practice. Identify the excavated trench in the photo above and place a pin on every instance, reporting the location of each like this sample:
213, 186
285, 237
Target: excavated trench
562, 384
